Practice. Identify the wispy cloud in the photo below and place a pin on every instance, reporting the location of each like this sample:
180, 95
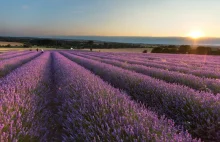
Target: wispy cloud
25, 7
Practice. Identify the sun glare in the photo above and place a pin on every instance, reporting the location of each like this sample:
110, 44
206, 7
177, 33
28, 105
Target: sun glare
196, 34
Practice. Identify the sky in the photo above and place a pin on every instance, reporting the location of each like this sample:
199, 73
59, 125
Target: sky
156, 18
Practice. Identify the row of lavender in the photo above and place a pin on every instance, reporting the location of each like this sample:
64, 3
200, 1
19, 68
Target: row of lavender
198, 112
21, 94
12, 54
8, 53
7, 65
208, 73
201, 84
195, 63
191, 61
193, 66
53, 99
187, 60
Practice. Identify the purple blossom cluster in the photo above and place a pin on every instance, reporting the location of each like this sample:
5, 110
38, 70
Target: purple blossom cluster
201, 84
92, 110
198, 112
9, 64
20, 100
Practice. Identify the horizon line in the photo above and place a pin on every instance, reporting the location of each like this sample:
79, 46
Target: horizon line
48, 36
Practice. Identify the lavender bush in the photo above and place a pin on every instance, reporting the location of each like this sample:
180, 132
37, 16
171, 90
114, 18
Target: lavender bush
20, 98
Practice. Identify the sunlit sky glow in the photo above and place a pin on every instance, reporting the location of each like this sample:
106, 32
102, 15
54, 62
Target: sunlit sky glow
109, 17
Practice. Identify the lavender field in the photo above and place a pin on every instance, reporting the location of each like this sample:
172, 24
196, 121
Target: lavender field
100, 96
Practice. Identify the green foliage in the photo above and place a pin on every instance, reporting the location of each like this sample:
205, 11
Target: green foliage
90, 42
9, 45
157, 50
27, 45
165, 49
203, 50
145, 51
184, 49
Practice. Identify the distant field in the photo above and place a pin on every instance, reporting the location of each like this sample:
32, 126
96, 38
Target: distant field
3, 43
22, 49
134, 50
127, 50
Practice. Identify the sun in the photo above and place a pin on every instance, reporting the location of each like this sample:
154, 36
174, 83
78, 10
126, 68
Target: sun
196, 34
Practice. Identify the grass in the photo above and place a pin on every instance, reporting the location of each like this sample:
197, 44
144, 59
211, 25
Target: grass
133, 50
5, 49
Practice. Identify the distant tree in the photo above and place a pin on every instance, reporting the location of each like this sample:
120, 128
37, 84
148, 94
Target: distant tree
27, 45
172, 46
203, 50
106, 45
8, 45
145, 51
90, 43
165, 50
157, 50
184, 49
172, 50
218, 51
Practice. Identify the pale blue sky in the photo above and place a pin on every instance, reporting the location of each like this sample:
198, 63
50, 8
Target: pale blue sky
109, 17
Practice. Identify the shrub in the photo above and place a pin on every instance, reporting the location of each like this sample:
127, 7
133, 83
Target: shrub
157, 50
203, 50
184, 49
145, 51
9, 45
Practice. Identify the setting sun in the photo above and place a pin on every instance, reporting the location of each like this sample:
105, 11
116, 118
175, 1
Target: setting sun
196, 34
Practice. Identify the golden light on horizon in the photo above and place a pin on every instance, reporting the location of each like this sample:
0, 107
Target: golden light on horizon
196, 34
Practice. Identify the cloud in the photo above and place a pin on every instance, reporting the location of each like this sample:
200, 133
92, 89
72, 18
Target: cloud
25, 7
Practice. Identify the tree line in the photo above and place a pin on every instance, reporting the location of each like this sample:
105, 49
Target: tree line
67, 44
186, 49
81, 44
